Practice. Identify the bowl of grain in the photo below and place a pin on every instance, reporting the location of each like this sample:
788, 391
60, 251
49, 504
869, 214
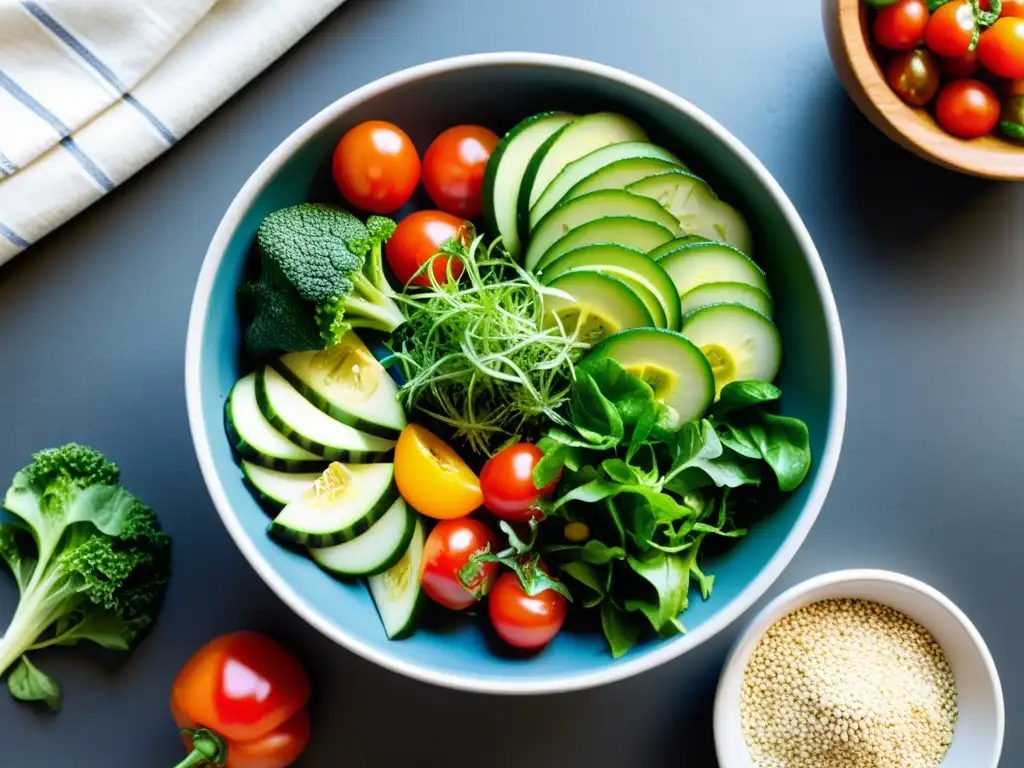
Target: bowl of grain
860, 669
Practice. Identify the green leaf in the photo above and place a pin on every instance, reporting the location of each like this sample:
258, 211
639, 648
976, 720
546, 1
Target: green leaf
738, 395
587, 575
785, 445
669, 576
736, 439
641, 431
732, 470
557, 455
594, 491
620, 629
696, 443
593, 552
105, 628
638, 519
630, 395
621, 472
18, 550
613, 513
28, 683
592, 412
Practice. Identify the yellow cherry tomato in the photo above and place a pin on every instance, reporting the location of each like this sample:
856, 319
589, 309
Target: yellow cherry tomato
432, 477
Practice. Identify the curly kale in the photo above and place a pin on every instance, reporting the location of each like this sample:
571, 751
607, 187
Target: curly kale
90, 561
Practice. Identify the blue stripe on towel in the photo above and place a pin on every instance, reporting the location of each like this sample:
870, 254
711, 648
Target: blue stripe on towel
87, 164
6, 166
44, 18
13, 236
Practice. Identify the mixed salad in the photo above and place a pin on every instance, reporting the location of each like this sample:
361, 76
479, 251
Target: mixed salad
561, 394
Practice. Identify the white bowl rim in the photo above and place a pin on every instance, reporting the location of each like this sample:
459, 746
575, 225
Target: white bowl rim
789, 600
578, 681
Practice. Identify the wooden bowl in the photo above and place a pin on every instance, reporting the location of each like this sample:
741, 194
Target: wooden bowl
847, 31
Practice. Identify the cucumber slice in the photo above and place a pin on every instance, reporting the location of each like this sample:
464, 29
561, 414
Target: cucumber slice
504, 174
673, 366
697, 207
580, 169
740, 344
633, 268
674, 245
580, 137
303, 423
700, 263
255, 439
621, 173
639, 234
397, 592
608, 202
374, 551
347, 383
278, 488
341, 504
728, 293
593, 306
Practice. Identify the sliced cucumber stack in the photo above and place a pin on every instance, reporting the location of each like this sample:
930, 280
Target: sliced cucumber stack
504, 174
347, 383
727, 293
568, 216
375, 551
673, 366
343, 502
256, 439
674, 245
593, 305
710, 262
639, 234
620, 174
397, 593
303, 423
739, 343
647, 279
278, 488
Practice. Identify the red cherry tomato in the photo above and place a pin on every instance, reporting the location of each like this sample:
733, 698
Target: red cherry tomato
1014, 8
449, 547
961, 66
967, 108
914, 76
251, 693
1001, 47
376, 167
418, 237
951, 29
901, 26
453, 168
523, 621
507, 483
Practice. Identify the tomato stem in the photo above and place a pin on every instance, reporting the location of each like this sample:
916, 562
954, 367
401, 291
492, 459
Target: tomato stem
208, 749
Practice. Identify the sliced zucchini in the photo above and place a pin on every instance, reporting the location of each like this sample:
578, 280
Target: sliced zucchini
504, 174
255, 439
347, 383
739, 343
697, 207
674, 245
619, 174
580, 169
374, 551
633, 268
574, 140
728, 293
397, 592
565, 217
303, 423
341, 504
639, 234
700, 263
673, 366
593, 306
278, 488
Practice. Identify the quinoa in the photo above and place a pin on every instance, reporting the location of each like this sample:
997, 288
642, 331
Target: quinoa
848, 684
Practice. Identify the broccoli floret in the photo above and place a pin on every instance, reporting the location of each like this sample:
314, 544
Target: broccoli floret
332, 261
281, 320
90, 561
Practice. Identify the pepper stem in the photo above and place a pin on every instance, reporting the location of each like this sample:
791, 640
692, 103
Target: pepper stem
208, 749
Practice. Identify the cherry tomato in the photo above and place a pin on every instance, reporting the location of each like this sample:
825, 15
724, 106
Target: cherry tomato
507, 483
901, 26
376, 167
432, 477
914, 76
1012, 8
418, 237
967, 108
251, 693
1001, 47
961, 66
523, 621
447, 551
453, 168
951, 29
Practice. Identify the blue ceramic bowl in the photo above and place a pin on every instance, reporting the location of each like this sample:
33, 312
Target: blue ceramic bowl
497, 90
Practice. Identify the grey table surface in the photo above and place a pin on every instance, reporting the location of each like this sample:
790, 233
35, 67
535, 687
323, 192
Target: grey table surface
928, 274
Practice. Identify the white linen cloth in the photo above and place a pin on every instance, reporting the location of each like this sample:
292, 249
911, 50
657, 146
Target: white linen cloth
93, 90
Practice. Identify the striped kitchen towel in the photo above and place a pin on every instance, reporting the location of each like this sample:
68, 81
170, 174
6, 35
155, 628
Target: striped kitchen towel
93, 90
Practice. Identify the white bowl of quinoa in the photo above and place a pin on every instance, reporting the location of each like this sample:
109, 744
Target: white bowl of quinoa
860, 669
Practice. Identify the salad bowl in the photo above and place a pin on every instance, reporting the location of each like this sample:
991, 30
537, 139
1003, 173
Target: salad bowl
496, 90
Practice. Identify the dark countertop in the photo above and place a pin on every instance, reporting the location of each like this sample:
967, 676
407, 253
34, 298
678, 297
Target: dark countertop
928, 272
